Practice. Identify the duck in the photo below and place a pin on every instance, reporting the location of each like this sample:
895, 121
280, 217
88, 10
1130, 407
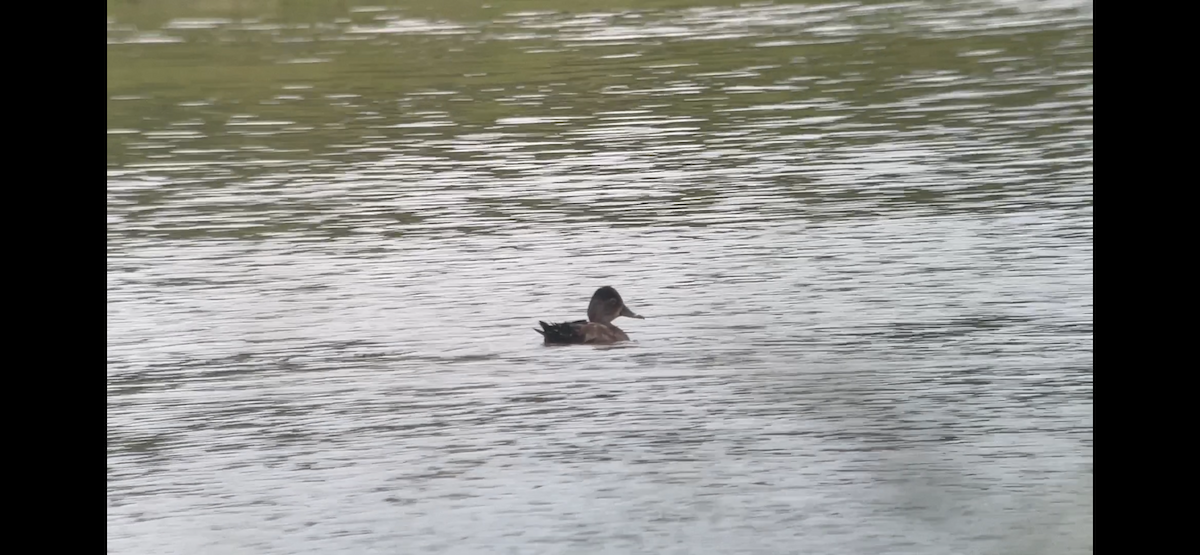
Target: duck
598, 329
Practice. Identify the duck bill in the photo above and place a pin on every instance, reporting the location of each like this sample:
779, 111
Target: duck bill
629, 313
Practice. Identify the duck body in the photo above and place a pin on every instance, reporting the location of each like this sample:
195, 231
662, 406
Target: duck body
581, 332
598, 329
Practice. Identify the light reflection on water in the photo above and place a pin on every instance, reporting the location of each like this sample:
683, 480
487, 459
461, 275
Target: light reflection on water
861, 236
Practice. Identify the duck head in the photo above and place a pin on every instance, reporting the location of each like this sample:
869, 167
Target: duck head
607, 306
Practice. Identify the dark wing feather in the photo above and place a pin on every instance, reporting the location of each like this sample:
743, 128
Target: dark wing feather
566, 332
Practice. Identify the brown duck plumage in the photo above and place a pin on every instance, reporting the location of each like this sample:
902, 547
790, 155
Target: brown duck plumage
606, 306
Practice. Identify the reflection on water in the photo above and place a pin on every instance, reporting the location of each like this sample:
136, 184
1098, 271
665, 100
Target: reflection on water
861, 236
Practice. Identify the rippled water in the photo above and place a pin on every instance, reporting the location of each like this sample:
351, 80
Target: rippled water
861, 234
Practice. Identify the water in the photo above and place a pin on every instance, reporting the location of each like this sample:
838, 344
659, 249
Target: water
861, 235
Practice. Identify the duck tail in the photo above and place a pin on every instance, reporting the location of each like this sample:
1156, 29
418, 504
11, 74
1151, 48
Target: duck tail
565, 332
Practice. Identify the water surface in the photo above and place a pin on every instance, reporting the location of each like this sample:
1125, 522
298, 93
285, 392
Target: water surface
861, 234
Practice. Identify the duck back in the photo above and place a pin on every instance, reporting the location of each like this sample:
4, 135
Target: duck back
565, 333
